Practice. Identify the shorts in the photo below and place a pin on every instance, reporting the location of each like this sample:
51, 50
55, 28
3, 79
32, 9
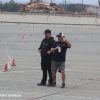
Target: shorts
55, 64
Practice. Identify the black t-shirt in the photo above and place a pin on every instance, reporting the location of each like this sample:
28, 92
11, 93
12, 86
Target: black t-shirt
60, 56
45, 46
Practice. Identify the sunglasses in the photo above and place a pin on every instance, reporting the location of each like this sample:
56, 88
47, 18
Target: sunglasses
59, 36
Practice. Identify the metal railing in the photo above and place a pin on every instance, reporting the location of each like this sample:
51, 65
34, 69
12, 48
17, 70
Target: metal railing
32, 23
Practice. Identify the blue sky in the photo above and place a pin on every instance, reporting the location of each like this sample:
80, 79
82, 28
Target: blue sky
93, 2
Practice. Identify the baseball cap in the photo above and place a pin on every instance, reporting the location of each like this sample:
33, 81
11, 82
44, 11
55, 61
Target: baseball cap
60, 35
47, 31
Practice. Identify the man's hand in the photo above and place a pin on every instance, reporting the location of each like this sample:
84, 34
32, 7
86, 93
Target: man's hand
54, 49
49, 52
57, 47
68, 43
39, 51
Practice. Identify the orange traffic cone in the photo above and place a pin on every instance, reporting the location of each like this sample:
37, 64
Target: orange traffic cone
13, 63
22, 36
92, 36
30, 34
5, 68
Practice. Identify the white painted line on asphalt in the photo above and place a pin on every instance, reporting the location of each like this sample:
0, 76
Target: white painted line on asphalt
21, 71
9, 64
36, 67
28, 66
27, 93
7, 51
28, 70
68, 69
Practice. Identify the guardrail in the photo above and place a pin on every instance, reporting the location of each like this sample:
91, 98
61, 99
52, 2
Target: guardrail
49, 23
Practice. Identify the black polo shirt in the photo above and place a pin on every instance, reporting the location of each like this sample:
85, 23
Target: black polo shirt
60, 56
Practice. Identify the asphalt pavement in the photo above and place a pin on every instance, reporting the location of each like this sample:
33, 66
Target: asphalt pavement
21, 42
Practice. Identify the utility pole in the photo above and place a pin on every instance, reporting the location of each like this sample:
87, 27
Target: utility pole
99, 2
65, 4
82, 5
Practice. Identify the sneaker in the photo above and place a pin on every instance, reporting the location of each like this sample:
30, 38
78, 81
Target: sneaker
49, 84
59, 70
63, 85
53, 84
41, 84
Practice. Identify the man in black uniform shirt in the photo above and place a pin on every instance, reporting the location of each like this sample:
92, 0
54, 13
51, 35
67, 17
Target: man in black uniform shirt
46, 58
59, 48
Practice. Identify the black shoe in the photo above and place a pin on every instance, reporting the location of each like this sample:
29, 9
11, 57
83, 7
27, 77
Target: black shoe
59, 70
53, 84
49, 84
63, 85
41, 84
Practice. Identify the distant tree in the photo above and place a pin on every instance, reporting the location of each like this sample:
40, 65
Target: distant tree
11, 6
71, 8
11, 2
75, 7
63, 6
1, 5
78, 7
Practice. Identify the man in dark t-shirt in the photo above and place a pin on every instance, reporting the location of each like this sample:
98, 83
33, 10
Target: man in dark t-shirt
46, 58
59, 49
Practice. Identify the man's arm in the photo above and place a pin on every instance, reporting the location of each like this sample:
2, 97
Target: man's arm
68, 43
52, 50
53, 41
39, 49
